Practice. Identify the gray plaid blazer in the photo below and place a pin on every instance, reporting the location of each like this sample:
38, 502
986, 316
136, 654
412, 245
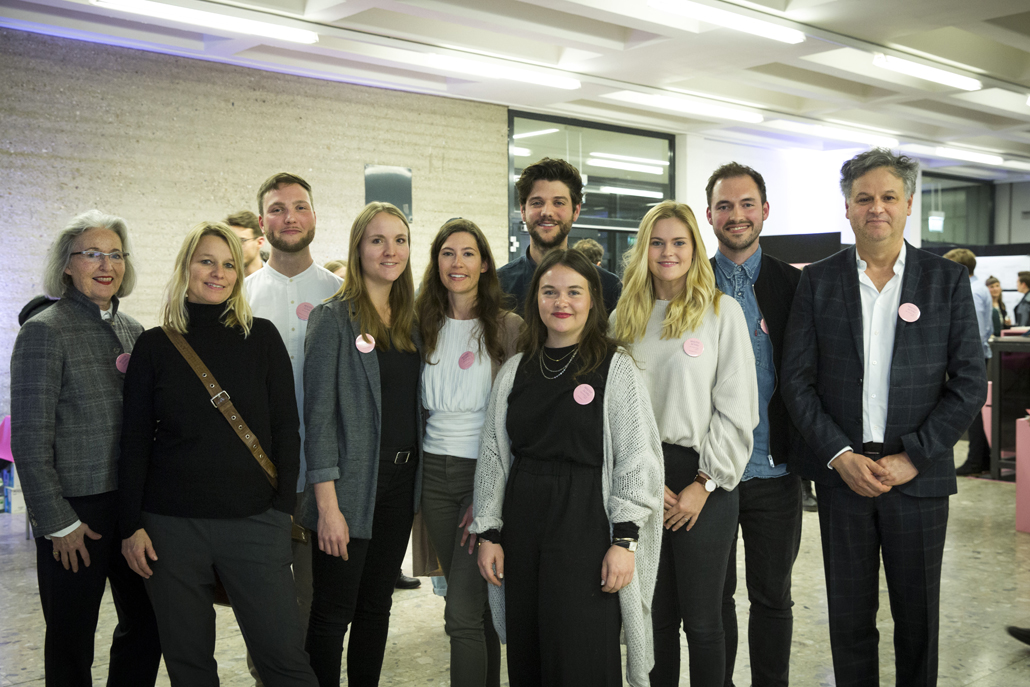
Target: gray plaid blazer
938, 381
66, 406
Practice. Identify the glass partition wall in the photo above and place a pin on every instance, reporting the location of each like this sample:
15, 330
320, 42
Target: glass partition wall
625, 172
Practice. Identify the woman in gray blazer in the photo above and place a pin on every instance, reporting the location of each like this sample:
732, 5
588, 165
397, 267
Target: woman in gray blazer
67, 372
362, 411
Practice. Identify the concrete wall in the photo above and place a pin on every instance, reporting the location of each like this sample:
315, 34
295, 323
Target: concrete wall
166, 142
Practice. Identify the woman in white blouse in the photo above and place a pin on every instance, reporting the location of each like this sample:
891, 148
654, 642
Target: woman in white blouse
692, 343
466, 335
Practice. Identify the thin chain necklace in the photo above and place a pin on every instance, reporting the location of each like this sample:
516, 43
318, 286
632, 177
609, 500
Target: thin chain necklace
561, 357
560, 372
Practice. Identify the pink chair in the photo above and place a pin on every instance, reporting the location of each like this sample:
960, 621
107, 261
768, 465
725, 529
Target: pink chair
5, 440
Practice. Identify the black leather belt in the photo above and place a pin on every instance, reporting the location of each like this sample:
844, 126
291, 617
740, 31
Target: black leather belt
872, 447
397, 457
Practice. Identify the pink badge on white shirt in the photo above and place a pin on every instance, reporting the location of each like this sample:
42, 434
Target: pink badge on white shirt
122, 362
909, 312
693, 347
365, 343
466, 360
583, 394
303, 310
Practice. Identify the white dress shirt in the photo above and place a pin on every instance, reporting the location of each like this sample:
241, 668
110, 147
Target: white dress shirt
879, 322
286, 301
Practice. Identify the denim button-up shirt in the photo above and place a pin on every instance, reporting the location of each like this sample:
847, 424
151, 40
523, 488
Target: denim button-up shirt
738, 281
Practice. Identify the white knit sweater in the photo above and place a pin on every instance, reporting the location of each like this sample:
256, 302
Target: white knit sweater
632, 489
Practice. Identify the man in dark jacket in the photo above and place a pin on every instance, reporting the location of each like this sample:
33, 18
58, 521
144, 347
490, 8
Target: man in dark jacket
770, 489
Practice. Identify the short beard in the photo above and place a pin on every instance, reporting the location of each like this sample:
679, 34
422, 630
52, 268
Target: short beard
738, 244
559, 238
284, 247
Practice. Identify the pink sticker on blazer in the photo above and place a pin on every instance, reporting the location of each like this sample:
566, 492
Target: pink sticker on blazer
304, 309
122, 362
583, 394
466, 360
693, 347
365, 343
909, 312
765, 327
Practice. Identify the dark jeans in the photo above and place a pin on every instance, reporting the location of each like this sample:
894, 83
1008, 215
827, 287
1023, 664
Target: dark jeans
71, 606
447, 483
691, 574
252, 558
358, 592
909, 532
770, 523
562, 629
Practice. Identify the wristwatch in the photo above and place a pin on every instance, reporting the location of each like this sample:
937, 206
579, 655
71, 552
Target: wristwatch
707, 482
625, 543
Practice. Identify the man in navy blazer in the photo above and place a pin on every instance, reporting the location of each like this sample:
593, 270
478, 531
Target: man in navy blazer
882, 372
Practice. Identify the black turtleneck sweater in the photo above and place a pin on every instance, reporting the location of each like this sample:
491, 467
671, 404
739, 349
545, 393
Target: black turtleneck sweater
179, 456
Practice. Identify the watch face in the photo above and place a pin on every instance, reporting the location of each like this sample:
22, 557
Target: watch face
710, 486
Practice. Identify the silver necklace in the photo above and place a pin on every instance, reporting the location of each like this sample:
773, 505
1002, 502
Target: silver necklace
560, 372
561, 357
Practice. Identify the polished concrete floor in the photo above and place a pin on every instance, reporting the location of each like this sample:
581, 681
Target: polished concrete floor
986, 586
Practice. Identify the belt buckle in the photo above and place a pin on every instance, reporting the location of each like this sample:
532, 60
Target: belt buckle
217, 400
401, 457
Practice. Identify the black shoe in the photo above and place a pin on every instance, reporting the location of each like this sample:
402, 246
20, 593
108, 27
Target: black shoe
968, 468
1020, 633
405, 582
808, 502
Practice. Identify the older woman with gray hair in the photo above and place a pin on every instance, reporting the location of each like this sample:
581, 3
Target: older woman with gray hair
67, 371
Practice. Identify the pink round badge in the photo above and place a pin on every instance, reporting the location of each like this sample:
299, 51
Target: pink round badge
909, 312
466, 360
365, 343
765, 327
583, 394
693, 347
122, 362
304, 309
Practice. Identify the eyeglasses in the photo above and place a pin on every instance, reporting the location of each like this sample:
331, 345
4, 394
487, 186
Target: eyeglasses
97, 256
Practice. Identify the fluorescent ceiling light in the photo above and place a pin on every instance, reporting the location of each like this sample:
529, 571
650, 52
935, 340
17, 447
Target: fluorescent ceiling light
699, 107
834, 133
632, 192
1028, 100
519, 152
627, 166
921, 71
528, 134
211, 20
1017, 164
729, 20
628, 158
970, 156
494, 70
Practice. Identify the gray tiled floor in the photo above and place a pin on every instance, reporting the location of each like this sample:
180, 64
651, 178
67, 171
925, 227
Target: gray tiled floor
986, 585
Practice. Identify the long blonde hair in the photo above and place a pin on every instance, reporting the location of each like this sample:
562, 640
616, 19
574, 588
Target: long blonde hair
402, 293
688, 308
237, 311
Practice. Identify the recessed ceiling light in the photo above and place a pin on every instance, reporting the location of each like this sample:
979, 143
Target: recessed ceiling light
1017, 164
628, 158
729, 20
833, 133
922, 71
494, 70
519, 152
529, 134
210, 20
627, 166
702, 108
970, 156
617, 190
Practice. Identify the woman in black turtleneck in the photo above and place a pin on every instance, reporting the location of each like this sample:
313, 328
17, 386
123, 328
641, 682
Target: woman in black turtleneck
194, 500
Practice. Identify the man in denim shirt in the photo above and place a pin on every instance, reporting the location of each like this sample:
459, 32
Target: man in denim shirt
770, 490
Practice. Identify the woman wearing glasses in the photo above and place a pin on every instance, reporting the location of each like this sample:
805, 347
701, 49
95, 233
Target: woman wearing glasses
197, 504
66, 392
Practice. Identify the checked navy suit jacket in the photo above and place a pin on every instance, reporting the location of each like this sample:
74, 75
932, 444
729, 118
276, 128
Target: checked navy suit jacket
937, 382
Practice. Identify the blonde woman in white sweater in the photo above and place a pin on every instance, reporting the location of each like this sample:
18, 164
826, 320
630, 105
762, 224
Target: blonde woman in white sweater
692, 343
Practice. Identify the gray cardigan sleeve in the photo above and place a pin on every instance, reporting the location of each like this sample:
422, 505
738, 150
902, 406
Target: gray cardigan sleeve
321, 370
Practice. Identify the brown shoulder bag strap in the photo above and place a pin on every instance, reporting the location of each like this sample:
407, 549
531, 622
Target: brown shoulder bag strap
220, 400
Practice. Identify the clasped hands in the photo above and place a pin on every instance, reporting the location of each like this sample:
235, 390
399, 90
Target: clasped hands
870, 478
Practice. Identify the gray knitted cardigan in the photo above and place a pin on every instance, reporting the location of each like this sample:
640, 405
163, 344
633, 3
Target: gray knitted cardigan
632, 486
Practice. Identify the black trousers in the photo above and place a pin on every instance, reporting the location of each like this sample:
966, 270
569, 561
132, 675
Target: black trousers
561, 628
770, 524
252, 558
909, 532
71, 606
691, 575
358, 592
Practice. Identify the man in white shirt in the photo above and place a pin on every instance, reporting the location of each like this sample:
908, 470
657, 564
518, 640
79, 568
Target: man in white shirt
882, 372
285, 291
